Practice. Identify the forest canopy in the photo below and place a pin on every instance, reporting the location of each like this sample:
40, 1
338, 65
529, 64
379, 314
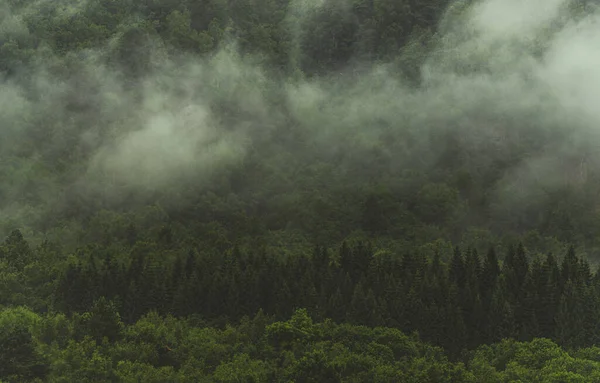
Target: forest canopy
289, 190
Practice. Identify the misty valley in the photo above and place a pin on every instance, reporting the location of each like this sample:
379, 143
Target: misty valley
299, 191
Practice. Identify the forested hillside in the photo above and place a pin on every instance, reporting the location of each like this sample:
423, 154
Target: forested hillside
299, 191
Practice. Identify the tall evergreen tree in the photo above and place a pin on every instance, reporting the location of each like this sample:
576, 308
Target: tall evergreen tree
489, 276
570, 267
457, 270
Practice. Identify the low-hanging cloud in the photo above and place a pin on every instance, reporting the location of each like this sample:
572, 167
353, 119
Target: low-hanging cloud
496, 72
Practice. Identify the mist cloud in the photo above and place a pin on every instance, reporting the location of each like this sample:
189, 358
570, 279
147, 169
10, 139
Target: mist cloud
497, 71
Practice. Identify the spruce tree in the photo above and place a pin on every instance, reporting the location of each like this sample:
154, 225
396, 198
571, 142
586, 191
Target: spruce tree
457, 271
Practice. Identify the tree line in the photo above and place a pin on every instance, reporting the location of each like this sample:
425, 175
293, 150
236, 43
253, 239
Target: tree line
458, 304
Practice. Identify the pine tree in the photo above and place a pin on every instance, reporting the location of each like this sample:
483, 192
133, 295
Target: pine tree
15, 250
137, 264
68, 293
489, 277
216, 295
232, 302
345, 257
379, 315
359, 310
132, 309
457, 271
336, 307
190, 263
197, 294
90, 283
473, 268
570, 317
525, 313
413, 311
284, 300
362, 256
521, 265
151, 284
320, 258
475, 319
131, 234
409, 268
308, 295
501, 321
180, 306
109, 277
266, 287
473, 276
515, 270
570, 267
585, 272
456, 332
103, 320
437, 271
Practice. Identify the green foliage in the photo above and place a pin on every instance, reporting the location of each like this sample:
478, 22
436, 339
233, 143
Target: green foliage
538, 361
242, 369
157, 349
102, 321
15, 251
337, 251
128, 371
20, 356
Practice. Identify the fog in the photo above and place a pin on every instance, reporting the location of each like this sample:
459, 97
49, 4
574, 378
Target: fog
496, 73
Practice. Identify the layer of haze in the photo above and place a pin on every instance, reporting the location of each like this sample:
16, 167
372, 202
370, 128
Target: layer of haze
498, 70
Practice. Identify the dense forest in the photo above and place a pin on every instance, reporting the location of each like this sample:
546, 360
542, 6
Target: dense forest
299, 191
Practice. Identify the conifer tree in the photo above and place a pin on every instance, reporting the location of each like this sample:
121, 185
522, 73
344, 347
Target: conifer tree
457, 271
570, 267
489, 276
